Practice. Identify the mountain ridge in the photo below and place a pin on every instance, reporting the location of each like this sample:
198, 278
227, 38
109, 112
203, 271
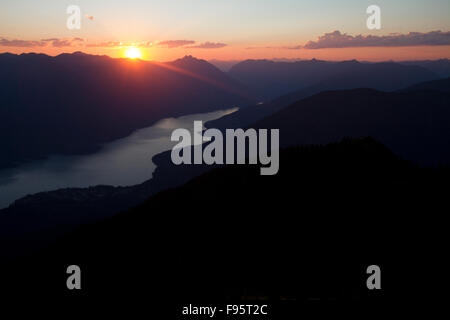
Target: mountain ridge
270, 79
76, 102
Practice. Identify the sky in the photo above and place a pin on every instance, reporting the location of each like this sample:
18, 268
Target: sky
230, 29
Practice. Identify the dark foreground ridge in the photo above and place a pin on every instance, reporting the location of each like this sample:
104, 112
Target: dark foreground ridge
307, 234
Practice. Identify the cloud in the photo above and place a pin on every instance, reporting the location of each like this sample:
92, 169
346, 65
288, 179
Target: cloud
89, 17
55, 42
21, 43
70, 42
108, 44
175, 43
115, 44
209, 45
74, 42
146, 44
337, 39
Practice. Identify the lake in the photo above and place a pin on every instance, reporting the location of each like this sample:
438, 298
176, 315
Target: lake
123, 162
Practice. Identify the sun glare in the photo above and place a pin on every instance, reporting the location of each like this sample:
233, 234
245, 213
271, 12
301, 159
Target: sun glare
133, 53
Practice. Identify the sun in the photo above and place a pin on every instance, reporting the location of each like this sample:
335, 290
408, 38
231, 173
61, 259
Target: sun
133, 53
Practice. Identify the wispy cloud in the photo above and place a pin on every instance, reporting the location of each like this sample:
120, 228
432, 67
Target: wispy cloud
21, 43
107, 44
337, 39
175, 43
55, 42
208, 45
76, 42
116, 44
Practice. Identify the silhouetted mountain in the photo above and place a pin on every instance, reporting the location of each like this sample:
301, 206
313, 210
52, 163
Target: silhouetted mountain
415, 124
224, 65
203, 70
442, 85
270, 79
72, 103
440, 67
336, 76
345, 206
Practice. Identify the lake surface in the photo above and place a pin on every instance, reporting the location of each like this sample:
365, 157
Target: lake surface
124, 162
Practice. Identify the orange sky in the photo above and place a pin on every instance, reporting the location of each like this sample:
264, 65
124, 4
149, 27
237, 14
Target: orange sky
269, 27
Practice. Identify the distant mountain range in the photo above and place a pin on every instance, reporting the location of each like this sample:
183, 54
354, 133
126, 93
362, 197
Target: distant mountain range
413, 124
442, 85
72, 103
440, 67
224, 65
379, 76
269, 80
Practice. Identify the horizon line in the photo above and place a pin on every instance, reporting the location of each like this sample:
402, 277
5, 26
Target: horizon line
273, 59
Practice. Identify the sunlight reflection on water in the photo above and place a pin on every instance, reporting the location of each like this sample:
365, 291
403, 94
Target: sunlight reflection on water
123, 162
